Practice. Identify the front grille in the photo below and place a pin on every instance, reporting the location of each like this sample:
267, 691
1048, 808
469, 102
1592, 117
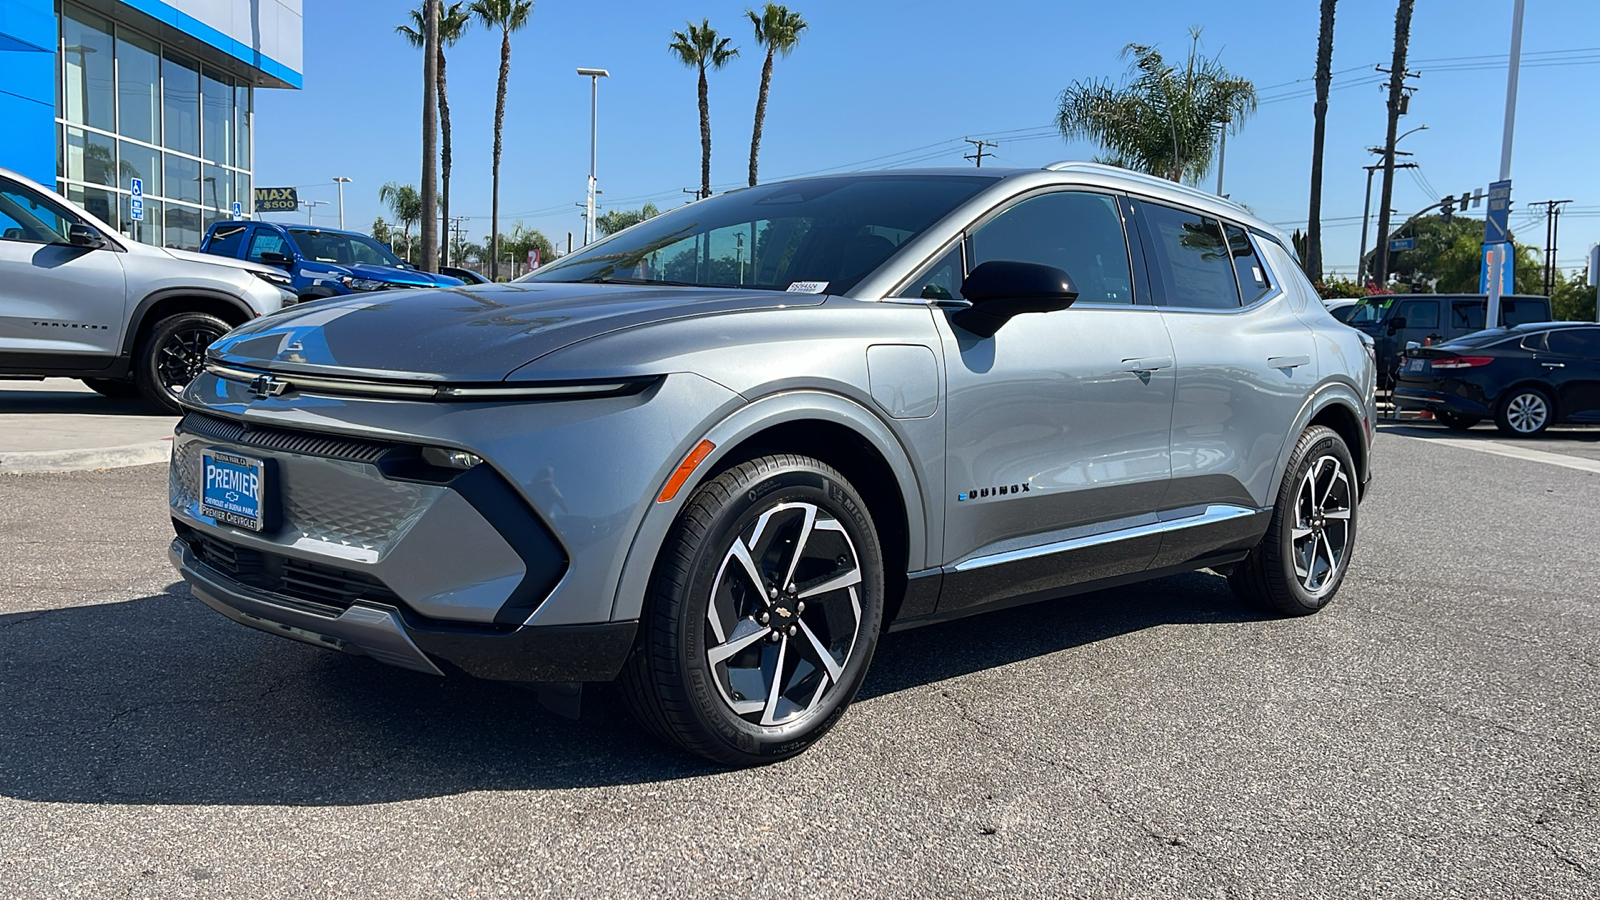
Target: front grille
306, 443
330, 588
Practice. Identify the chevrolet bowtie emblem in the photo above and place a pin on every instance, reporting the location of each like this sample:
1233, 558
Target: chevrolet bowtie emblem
264, 386
782, 612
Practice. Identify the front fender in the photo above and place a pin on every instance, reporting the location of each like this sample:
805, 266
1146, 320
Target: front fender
727, 435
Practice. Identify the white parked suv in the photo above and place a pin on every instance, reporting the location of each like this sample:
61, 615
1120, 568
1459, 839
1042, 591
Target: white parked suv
78, 300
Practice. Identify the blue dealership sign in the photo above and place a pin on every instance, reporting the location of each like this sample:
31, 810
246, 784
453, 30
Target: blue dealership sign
1495, 228
1508, 281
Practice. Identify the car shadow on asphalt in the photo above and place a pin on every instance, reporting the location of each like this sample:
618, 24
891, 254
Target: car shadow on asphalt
159, 700
43, 403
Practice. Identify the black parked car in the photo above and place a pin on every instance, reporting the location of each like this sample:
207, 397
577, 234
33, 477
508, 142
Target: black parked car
1397, 320
1526, 378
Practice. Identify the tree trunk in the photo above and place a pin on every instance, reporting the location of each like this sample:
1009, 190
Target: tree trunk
1397, 78
761, 115
1313, 258
499, 123
444, 156
705, 136
430, 137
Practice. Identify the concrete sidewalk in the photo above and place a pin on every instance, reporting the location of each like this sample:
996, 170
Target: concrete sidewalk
59, 425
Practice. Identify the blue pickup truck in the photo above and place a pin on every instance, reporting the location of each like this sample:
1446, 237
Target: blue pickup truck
321, 262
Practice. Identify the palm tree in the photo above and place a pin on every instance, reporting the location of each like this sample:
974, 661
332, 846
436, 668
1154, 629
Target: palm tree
698, 47
778, 29
507, 16
1164, 120
453, 22
1313, 255
405, 204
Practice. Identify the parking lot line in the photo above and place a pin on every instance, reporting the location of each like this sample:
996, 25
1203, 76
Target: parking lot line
1526, 453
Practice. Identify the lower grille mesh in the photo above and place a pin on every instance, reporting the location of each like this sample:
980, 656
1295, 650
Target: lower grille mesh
308, 443
325, 586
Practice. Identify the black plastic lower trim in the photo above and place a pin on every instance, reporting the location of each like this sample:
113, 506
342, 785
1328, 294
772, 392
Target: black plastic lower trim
541, 554
533, 653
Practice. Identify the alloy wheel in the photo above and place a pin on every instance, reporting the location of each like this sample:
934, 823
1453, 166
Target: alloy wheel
1320, 537
1527, 413
784, 614
182, 357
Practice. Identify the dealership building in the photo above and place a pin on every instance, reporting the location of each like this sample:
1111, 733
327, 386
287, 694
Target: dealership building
98, 97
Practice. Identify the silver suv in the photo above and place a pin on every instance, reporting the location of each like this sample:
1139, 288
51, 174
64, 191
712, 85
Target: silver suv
78, 300
718, 454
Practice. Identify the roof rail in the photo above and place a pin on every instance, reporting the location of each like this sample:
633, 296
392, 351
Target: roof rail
1070, 165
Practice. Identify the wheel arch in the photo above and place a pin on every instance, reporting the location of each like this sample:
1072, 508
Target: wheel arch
160, 304
1522, 384
1336, 406
829, 427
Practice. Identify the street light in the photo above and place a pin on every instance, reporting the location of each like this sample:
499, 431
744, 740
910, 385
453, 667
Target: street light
594, 76
341, 181
310, 205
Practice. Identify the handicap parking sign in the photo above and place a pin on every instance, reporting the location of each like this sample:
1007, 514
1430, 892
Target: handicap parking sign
137, 186
136, 208
236, 209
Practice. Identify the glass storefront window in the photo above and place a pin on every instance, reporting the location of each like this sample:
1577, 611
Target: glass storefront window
99, 203
241, 191
183, 227
147, 231
142, 163
138, 87
86, 78
242, 103
90, 157
216, 112
180, 105
182, 179
217, 190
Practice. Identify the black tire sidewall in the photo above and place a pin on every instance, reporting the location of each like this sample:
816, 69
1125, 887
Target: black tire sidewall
146, 366
1326, 442
795, 480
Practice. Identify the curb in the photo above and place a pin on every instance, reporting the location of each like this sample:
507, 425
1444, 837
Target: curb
29, 462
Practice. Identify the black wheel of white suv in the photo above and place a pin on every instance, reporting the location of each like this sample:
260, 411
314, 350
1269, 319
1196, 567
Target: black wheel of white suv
1302, 560
763, 613
172, 355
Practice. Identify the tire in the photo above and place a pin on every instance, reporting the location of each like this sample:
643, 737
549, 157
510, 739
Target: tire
172, 354
1455, 422
113, 388
705, 670
1301, 562
1525, 412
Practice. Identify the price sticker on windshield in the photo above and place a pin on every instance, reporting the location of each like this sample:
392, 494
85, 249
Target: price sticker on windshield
807, 287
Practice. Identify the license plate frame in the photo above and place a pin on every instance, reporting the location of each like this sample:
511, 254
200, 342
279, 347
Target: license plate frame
226, 495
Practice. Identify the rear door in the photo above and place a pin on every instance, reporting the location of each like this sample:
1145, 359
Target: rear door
58, 303
1246, 365
1058, 424
1573, 365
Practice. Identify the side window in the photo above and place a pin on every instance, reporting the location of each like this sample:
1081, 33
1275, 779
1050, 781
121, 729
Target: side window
1419, 313
265, 240
1522, 312
1191, 258
1467, 315
225, 240
30, 217
1583, 343
1077, 232
940, 281
1252, 275
1535, 341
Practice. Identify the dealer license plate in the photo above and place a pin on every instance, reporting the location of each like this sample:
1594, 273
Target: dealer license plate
1416, 365
233, 489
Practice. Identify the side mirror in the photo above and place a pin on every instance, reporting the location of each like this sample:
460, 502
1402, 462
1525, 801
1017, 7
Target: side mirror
1001, 288
1397, 323
85, 236
280, 260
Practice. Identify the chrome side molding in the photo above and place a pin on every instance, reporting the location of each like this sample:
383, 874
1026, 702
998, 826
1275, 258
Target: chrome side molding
1212, 515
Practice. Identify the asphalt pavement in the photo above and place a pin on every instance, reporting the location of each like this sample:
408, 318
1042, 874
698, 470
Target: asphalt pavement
1431, 734
59, 425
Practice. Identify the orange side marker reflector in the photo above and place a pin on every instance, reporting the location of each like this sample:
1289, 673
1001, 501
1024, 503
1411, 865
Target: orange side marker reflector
685, 469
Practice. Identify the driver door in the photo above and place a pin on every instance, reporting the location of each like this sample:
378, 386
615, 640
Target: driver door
1058, 425
58, 302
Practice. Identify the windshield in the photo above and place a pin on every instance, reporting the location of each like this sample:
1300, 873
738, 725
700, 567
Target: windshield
822, 234
1368, 312
342, 249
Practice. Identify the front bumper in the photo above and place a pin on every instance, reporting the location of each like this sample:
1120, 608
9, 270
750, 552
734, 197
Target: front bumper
388, 634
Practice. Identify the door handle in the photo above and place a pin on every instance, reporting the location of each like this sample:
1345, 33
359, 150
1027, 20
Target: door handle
1139, 364
1554, 365
1288, 362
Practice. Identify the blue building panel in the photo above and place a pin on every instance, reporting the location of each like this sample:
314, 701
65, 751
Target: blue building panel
188, 24
28, 87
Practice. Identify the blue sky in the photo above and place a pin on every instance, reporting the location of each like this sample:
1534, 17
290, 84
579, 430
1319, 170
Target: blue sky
871, 85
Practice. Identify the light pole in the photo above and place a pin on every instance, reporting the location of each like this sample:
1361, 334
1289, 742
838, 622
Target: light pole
341, 181
594, 76
310, 205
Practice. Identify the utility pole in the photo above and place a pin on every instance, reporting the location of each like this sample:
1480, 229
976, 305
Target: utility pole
1397, 87
978, 146
430, 133
452, 226
1366, 210
1552, 234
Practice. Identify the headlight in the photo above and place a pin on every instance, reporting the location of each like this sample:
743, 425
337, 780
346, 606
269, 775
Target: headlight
277, 279
365, 284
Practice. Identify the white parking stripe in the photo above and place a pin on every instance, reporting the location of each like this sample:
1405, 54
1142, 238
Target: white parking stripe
1527, 453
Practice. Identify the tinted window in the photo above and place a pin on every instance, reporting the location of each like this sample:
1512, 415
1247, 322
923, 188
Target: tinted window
941, 281
1584, 342
1078, 233
817, 234
26, 216
1535, 341
1247, 266
265, 240
343, 249
1522, 312
1190, 257
1467, 315
225, 240
1419, 313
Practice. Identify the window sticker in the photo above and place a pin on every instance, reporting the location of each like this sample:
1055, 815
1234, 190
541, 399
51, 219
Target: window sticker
807, 287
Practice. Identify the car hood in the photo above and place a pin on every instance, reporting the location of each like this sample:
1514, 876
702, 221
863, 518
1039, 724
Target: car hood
214, 260
480, 333
394, 275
